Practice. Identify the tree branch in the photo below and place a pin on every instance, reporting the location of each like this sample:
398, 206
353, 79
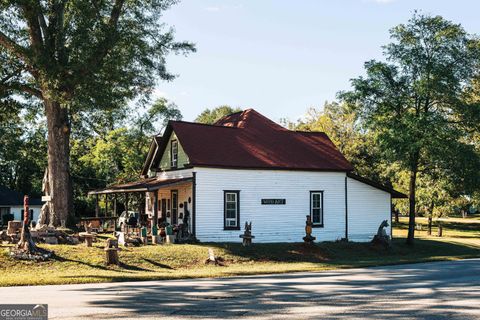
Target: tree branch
17, 50
20, 87
34, 29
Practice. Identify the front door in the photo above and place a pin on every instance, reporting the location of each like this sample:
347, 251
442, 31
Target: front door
174, 197
163, 207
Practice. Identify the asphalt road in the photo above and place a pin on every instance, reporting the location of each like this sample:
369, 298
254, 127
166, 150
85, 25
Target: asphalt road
439, 290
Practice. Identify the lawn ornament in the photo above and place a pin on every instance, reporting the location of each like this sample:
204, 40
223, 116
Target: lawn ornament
308, 239
212, 259
247, 234
381, 238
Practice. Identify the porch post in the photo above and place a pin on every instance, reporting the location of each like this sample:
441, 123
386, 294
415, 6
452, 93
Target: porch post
155, 209
126, 203
106, 204
194, 202
114, 205
96, 206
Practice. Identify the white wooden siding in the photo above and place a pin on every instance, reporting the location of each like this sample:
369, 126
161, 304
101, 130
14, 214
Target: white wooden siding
367, 208
271, 223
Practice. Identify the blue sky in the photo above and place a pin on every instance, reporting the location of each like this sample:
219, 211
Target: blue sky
282, 57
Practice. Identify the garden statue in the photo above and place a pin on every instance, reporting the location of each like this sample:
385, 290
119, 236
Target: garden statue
308, 239
381, 237
247, 234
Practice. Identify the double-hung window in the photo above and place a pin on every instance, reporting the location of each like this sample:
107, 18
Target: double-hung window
174, 153
232, 210
316, 207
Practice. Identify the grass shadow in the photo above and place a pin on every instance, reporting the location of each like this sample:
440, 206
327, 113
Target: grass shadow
158, 264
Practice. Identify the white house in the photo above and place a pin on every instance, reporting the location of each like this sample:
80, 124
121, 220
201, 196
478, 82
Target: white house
245, 168
11, 202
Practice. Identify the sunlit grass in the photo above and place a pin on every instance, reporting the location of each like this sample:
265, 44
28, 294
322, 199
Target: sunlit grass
79, 264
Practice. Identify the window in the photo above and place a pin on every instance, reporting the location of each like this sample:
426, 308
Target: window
4, 211
174, 153
231, 210
316, 208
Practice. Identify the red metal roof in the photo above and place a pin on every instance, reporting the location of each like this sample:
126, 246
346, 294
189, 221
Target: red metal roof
249, 140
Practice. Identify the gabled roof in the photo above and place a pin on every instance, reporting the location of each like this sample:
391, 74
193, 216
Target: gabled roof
10, 197
249, 140
151, 153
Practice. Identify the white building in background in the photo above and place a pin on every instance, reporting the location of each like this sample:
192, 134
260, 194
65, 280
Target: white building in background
11, 202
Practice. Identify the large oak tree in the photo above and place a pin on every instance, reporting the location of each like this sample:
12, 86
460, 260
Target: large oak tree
78, 56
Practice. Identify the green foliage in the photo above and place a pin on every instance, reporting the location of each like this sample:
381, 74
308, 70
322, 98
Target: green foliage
357, 145
118, 153
85, 56
23, 148
414, 105
210, 116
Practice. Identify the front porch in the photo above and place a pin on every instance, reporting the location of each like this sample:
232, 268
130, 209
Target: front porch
159, 203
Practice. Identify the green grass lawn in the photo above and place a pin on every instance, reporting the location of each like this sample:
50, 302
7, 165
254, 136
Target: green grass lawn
79, 264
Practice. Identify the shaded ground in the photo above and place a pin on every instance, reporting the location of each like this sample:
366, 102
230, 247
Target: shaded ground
79, 264
439, 290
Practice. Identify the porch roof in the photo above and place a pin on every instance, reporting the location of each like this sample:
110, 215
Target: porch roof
143, 185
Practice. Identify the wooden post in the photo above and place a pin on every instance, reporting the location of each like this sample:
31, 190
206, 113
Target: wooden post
115, 205
96, 206
111, 256
155, 210
126, 203
106, 205
89, 240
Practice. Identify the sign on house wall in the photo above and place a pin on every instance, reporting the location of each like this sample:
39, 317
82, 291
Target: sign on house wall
274, 201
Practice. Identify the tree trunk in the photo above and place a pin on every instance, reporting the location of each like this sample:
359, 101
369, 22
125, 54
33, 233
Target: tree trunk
61, 205
412, 203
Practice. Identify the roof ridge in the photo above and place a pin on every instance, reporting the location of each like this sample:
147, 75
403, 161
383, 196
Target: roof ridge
203, 124
309, 132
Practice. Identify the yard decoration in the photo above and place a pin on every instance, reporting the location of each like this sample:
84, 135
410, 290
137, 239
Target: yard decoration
308, 239
212, 259
26, 248
88, 236
13, 230
381, 238
43, 218
111, 252
247, 235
